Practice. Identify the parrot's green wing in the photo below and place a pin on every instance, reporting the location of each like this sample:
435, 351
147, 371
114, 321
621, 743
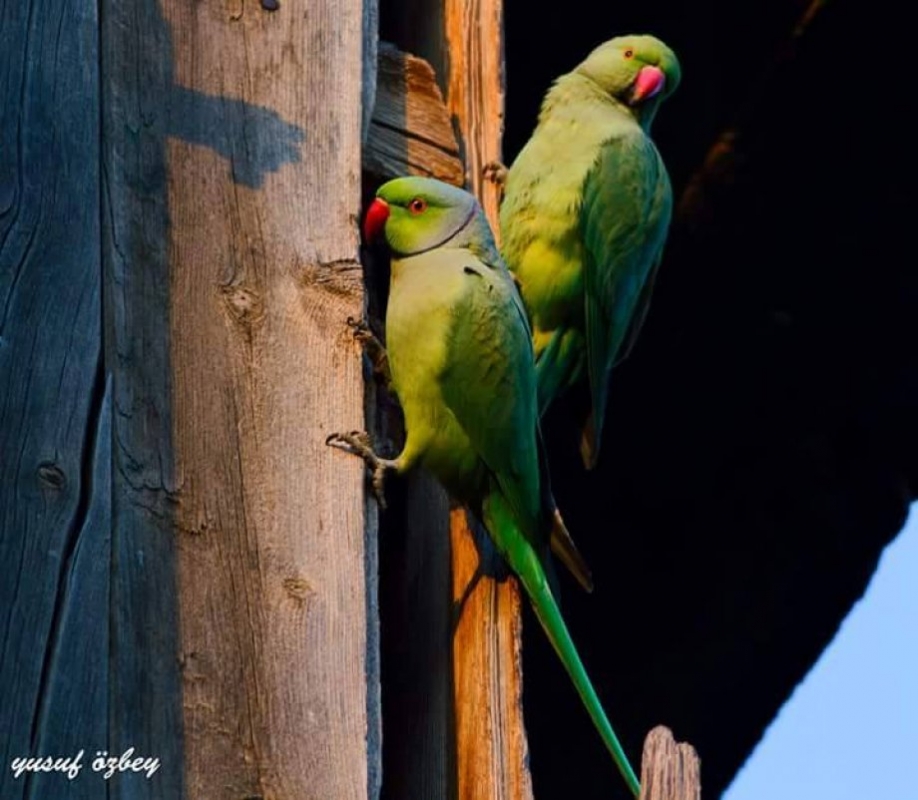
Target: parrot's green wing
627, 204
489, 386
493, 394
493, 325
640, 313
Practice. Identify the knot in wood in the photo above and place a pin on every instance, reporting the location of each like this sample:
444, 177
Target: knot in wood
270, 5
51, 475
244, 305
299, 589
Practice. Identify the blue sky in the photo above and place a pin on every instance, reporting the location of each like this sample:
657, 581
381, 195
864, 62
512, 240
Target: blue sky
850, 730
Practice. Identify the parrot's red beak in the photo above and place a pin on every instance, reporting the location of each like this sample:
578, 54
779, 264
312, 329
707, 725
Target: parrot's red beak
375, 220
649, 83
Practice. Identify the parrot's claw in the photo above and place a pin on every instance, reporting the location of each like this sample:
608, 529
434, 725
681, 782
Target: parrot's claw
495, 172
358, 443
362, 332
374, 349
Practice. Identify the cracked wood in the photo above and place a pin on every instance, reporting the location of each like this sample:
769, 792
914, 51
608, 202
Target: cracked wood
54, 412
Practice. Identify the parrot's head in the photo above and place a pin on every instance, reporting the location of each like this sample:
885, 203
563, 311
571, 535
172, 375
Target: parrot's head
417, 214
639, 71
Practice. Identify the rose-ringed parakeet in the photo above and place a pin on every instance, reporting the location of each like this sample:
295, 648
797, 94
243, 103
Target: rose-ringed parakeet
586, 208
461, 362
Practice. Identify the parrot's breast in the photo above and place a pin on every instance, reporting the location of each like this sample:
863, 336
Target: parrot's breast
540, 213
424, 295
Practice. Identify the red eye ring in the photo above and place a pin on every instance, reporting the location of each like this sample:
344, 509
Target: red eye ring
418, 205
629, 53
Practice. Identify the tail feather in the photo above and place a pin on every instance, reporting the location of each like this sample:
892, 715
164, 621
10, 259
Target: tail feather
562, 545
589, 441
549, 615
526, 563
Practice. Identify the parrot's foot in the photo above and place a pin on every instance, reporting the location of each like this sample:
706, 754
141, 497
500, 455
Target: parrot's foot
358, 443
495, 172
375, 351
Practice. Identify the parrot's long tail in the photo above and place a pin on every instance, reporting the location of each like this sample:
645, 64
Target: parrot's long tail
528, 567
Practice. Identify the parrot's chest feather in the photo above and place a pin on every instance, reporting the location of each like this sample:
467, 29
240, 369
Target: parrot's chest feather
544, 195
425, 296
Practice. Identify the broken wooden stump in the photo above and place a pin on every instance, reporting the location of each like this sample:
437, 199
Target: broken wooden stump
669, 770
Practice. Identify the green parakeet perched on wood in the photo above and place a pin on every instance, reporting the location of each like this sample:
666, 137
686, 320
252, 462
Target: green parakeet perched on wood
461, 361
586, 209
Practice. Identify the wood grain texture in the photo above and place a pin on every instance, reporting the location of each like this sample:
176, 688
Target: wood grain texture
462, 39
53, 420
232, 159
669, 771
410, 133
136, 79
370, 64
475, 90
492, 751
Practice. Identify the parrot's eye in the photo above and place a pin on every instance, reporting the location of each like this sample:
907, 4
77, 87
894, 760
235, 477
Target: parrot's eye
418, 205
629, 53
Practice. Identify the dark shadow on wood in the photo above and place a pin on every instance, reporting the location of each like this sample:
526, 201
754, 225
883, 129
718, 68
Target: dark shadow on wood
54, 411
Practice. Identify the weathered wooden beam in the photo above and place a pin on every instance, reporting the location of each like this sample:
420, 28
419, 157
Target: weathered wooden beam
492, 751
463, 41
410, 131
419, 740
491, 748
54, 412
669, 771
232, 156
475, 90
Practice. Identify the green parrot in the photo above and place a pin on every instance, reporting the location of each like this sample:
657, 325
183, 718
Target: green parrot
585, 213
461, 362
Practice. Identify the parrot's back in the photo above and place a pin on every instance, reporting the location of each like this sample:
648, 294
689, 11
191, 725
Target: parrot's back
584, 218
540, 213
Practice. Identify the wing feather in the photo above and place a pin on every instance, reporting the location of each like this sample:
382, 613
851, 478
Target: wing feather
493, 394
627, 205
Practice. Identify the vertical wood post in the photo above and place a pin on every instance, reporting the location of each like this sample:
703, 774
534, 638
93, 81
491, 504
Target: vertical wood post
232, 161
463, 41
55, 413
492, 752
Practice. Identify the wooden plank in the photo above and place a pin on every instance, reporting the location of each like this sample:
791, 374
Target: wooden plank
492, 751
475, 90
491, 748
370, 36
146, 685
74, 721
411, 133
232, 159
419, 732
462, 39
669, 771
53, 590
